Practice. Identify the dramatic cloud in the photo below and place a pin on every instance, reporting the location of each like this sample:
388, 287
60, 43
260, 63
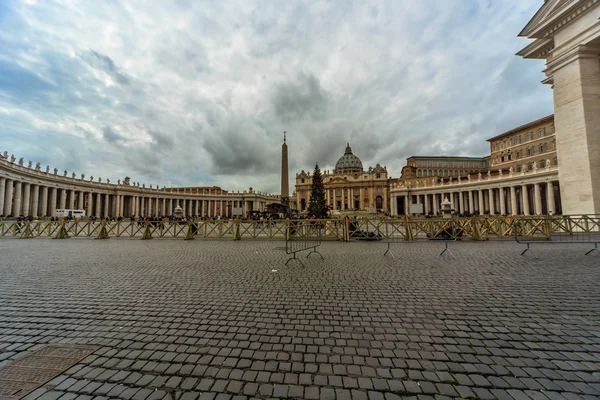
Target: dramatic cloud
199, 93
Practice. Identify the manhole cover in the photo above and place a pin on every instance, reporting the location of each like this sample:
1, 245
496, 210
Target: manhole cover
25, 375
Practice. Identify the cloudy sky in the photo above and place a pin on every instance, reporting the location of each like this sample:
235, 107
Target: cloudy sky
199, 92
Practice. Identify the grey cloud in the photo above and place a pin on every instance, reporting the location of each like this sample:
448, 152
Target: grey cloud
301, 99
110, 135
106, 64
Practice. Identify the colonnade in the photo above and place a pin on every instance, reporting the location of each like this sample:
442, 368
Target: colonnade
23, 198
525, 199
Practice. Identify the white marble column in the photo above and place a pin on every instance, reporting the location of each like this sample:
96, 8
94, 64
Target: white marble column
8, 197
426, 203
461, 202
44, 203
537, 197
471, 204
63, 199
436, 204
26, 198
98, 204
121, 205
35, 192
513, 200
52, 205
406, 205
71, 199
480, 199
525, 195
550, 198
16, 209
90, 204
2, 194
491, 201
81, 201
106, 204
502, 201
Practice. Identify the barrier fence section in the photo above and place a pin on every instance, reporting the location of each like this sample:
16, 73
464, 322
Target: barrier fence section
301, 236
584, 230
446, 230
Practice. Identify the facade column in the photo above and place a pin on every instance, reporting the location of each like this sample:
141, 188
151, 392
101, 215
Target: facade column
480, 199
35, 198
52, 205
81, 203
491, 201
71, 199
426, 202
537, 197
550, 198
26, 198
436, 204
44, 205
90, 204
525, 195
8, 197
2, 194
513, 200
502, 201
16, 207
471, 204
461, 202
406, 205
63, 199
121, 205
98, 204
106, 202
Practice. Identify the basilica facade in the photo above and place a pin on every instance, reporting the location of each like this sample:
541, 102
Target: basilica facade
348, 187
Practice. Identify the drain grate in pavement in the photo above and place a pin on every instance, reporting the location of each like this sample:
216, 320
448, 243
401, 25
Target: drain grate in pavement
32, 371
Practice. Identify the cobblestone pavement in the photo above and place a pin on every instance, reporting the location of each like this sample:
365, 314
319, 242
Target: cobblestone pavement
210, 319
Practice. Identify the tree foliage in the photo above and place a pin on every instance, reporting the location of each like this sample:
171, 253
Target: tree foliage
317, 205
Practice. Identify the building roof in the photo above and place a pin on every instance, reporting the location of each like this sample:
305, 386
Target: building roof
523, 127
447, 158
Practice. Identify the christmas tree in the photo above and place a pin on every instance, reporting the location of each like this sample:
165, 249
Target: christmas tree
317, 205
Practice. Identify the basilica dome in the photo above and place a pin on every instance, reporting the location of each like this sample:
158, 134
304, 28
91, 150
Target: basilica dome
348, 163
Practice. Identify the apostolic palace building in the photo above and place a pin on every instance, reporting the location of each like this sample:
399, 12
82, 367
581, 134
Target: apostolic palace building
548, 166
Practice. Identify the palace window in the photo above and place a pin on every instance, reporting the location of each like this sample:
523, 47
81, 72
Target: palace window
377, 176
419, 172
542, 147
379, 190
528, 136
509, 155
302, 180
516, 140
519, 154
356, 191
529, 167
338, 191
542, 132
519, 169
555, 161
552, 129
530, 151
543, 164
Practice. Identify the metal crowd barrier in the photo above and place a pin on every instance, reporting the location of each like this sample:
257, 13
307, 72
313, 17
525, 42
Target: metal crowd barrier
530, 230
301, 236
446, 230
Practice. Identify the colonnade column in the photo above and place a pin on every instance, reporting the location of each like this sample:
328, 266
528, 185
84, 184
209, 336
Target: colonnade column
90, 203
471, 206
550, 198
2, 194
513, 200
52, 205
71, 199
436, 204
406, 205
26, 198
63, 199
502, 201
44, 208
81, 202
98, 204
537, 196
121, 205
480, 198
491, 201
106, 201
16, 207
525, 197
35, 197
461, 202
426, 203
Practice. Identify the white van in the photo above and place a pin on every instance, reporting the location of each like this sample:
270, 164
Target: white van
70, 213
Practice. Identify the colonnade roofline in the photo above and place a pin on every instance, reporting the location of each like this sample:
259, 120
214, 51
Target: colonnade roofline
10, 168
537, 176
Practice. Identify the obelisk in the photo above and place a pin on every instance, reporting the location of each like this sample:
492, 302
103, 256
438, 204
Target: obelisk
285, 189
